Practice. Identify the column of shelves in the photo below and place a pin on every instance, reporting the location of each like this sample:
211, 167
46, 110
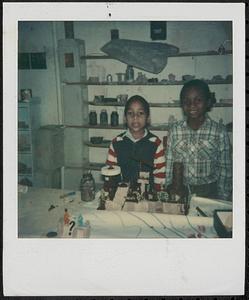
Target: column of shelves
28, 124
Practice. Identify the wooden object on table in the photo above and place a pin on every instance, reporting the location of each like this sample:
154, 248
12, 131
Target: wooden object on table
177, 191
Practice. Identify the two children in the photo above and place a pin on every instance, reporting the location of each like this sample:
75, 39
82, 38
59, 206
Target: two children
199, 143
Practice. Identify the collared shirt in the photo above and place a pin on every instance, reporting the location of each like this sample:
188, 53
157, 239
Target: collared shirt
130, 136
205, 153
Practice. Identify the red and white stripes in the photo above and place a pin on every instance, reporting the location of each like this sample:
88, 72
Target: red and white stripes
159, 164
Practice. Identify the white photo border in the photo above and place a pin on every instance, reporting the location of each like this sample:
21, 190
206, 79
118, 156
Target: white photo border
38, 267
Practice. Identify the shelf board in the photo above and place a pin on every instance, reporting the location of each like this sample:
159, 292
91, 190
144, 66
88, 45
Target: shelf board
96, 126
28, 102
163, 127
103, 145
223, 105
24, 152
167, 83
152, 104
25, 174
104, 103
90, 166
24, 129
183, 54
122, 105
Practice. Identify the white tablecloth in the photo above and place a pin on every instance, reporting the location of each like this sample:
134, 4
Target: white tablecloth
35, 219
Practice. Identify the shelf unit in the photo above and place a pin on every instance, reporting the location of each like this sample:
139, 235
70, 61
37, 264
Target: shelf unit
161, 104
102, 145
159, 127
183, 54
28, 124
179, 82
89, 166
77, 83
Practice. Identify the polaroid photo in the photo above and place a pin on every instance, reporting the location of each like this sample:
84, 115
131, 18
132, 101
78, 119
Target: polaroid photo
123, 149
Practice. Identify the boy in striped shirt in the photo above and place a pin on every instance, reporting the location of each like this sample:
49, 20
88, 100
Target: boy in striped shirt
137, 149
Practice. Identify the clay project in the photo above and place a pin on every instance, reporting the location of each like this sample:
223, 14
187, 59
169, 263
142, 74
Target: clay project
118, 195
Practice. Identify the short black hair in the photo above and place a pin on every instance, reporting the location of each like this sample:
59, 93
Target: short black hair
203, 87
137, 98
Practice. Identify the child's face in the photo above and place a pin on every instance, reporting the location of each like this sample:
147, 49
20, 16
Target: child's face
136, 118
194, 103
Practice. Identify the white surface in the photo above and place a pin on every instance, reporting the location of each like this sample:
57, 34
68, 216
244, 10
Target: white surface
36, 220
103, 267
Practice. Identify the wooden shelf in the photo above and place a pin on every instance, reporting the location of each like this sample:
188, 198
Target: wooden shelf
167, 83
223, 105
24, 152
24, 129
90, 166
103, 145
96, 126
105, 103
122, 105
173, 105
163, 127
25, 174
159, 127
183, 54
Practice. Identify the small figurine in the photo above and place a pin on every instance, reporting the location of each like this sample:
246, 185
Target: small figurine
172, 77
163, 196
80, 221
221, 49
143, 180
66, 217
171, 119
220, 121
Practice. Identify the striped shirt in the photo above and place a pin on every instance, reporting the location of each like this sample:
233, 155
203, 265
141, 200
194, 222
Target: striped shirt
146, 154
205, 153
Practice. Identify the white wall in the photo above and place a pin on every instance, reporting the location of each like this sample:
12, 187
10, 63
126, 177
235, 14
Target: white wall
38, 37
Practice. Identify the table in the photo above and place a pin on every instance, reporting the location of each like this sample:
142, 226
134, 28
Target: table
40, 209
